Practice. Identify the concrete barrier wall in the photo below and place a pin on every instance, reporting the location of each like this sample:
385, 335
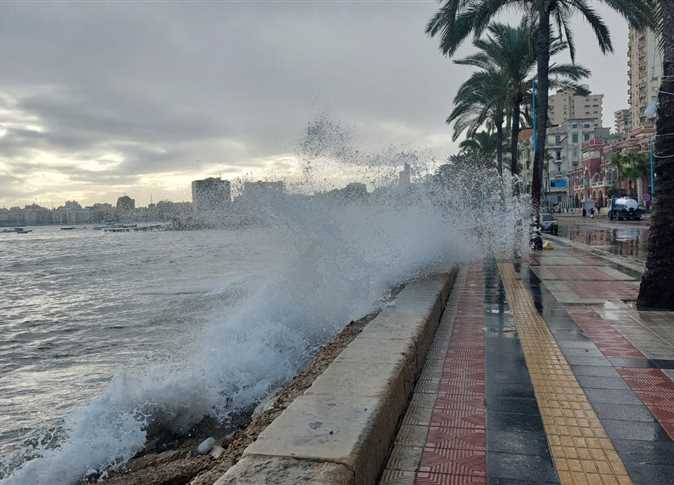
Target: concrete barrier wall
340, 430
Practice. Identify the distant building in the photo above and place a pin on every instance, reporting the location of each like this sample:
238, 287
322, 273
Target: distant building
211, 194
103, 212
255, 192
645, 69
565, 105
623, 122
405, 178
563, 156
72, 205
72, 213
34, 215
352, 192
126, 203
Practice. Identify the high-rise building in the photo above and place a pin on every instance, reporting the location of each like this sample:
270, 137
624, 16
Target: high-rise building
623, 122
565, 105
211, 194
645, 65
126, 203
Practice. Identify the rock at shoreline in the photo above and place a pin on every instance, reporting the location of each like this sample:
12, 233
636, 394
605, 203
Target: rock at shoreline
206, 446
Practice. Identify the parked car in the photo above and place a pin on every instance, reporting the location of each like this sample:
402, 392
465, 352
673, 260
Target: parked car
624, 208
549, 224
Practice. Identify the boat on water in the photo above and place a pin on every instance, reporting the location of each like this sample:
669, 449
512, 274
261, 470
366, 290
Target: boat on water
17, 230
69, 228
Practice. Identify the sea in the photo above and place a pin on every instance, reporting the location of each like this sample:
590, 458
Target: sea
103, 335
78, 307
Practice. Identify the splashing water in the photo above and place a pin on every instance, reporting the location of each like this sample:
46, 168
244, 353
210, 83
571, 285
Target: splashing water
341, 251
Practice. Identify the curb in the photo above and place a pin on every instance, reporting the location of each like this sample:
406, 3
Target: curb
341, 429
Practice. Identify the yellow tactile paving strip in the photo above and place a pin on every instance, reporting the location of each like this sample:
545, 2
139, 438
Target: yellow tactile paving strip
581, 450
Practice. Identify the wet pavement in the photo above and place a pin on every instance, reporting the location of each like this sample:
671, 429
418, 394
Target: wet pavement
630, 241
571, 385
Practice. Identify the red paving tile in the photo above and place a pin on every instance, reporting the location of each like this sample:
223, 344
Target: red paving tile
428, 478
656, 391
610, 290
453, 462
456, 438
575, 273
654, 387
455, 451
607, 339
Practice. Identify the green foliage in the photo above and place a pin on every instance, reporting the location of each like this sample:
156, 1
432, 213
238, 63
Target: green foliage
631, 165
457, 19
481, 145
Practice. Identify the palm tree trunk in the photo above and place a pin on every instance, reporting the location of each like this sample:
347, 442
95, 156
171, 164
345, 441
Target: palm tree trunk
515, 170
657, 283
499, 142
514, 138
543, 60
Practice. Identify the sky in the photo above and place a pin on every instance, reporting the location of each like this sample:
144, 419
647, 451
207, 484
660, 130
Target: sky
102, 99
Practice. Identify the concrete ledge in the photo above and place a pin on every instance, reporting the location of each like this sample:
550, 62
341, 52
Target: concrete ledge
340, 430
273, 470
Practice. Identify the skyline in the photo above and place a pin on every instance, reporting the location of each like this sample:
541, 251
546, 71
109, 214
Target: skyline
188, 93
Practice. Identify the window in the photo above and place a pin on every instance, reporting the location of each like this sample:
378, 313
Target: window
586, 125
558, 154
574, 138
574, 125
558, 139
586, 137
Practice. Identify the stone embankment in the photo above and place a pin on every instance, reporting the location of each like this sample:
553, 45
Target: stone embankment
340, 430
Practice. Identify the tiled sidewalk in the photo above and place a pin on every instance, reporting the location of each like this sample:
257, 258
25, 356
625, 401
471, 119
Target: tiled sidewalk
443, 438
622, 358
485, 412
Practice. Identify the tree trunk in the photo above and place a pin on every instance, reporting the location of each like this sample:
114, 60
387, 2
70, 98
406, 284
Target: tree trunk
515, 170
498, 120
543, 61
657, 282
514, 138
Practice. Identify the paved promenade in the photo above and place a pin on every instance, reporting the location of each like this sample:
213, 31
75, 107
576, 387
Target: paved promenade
543, 376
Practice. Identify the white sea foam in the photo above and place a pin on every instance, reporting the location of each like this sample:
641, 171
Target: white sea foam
340, 256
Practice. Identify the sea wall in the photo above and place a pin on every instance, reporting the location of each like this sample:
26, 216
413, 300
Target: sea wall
341, 429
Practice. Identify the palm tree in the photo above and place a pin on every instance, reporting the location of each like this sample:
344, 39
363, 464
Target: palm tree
456, 19
481, 100
657, 282
631, 166
482, 144
510, 50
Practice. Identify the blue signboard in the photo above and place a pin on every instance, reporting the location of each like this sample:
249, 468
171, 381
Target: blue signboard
558, 184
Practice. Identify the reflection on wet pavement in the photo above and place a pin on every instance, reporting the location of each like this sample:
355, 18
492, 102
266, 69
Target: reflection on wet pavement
630, 242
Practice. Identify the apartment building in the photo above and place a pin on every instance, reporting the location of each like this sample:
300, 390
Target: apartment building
565, 104
644, 62
623, 122
564, 155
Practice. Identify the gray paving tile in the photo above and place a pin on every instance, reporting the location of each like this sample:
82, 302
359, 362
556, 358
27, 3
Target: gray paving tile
634, 430
595, 382
614, 396
625, 412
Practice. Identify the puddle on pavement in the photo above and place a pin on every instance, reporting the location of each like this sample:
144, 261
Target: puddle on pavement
630, 242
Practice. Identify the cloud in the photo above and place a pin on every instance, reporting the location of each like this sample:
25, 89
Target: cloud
206, 87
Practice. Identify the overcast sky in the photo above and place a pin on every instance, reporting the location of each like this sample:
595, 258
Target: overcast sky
99, 100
